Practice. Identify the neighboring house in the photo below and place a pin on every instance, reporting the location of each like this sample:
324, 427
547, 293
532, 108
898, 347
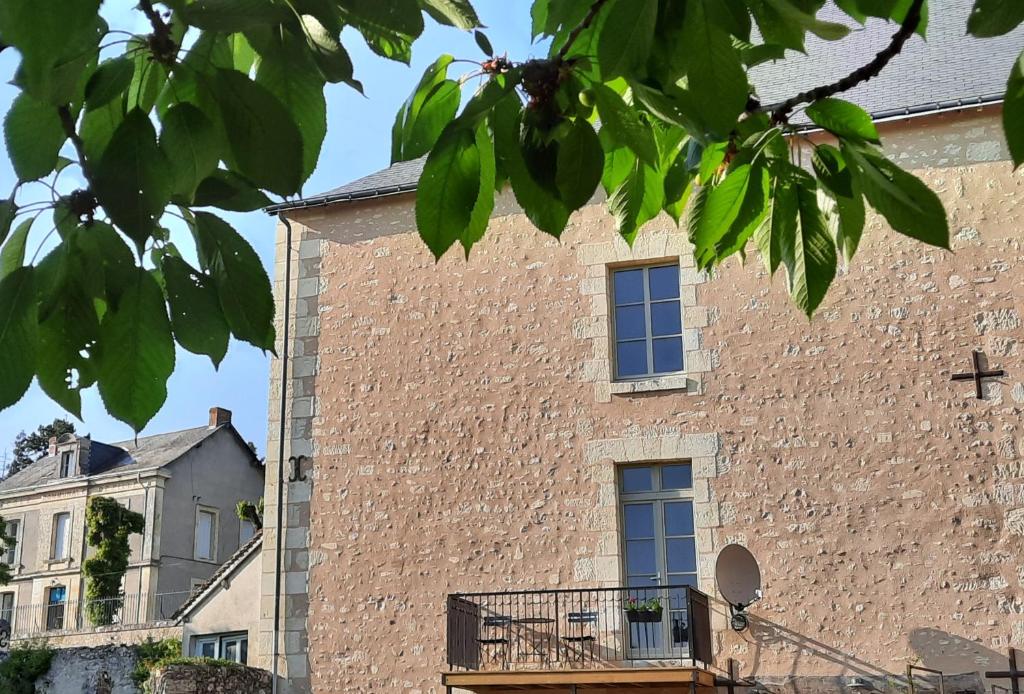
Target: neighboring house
498, 447
185, 483
222, 617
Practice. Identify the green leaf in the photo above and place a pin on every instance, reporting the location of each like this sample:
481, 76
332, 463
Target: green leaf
625, 39
17, 334
138, 354
995, 17
233, 15
264, 141
133, 178
484, 205
779, 226
196, 315
229, 191
848, 214
544, 209
910, 207
580, 163
715, 208
809, 254
788, 11
8, 209
753, 212
110, 80
715, 75
241, 282
637, 199
293, 79
12, 255
111, 263
148, 77
843, 119
456, 13
448, 189
1013, 112
624, 124
678, 185
425, 113
98, 126
34, 136
189, 141
388, 27
484, 43
330, 56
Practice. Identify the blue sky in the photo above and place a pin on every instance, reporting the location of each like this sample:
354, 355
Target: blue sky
357, 143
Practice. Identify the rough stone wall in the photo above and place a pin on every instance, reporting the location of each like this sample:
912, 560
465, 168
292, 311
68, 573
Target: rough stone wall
100, 670
204, 679
459, 444
107, 636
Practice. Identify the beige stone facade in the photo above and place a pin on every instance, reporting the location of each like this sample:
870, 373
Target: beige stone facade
464, 432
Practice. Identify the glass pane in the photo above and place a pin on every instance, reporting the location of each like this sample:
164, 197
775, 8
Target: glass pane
664, 282
682, 554
639, 521
676, 477
636, 479
668, 355
666, 319
679, 518
245, 652
207, 649
204, 535
230, 651
682, 580
679, 632
640, 558
645, 639
629, 286
629, 322
631, 358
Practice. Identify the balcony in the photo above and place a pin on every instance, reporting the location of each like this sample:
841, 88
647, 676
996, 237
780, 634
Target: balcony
81, 616
592, 637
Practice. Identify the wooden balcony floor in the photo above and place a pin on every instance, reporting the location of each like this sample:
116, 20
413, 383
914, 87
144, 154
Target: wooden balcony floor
624, 678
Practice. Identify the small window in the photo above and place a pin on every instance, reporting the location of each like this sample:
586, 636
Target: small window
59, 545
206, 535
66, 459
647, 323
7, 608
233, 647
205, 647
246, 531
56, 597
11, 530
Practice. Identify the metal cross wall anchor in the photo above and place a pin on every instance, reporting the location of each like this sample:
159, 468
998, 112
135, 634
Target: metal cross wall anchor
1013, 674
977, 375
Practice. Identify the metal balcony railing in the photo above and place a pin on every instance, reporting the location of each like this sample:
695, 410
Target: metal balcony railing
74, 616
578, 628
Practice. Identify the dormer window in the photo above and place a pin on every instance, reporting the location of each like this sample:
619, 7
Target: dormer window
67, 463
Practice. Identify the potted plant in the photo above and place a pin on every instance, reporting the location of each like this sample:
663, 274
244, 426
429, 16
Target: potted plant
643, 610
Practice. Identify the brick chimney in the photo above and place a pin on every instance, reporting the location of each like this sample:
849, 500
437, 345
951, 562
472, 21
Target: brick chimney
53, 446
219, 417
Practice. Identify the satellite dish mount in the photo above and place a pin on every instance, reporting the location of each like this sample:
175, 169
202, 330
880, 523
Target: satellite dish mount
739, 582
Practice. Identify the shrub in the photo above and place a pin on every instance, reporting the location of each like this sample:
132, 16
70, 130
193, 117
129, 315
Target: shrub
27, 662
108, 525
150, 653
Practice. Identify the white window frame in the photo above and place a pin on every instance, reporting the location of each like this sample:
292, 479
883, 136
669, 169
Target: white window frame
15, 552
70, 455
649, 336
65, 553
219, 641
14, 606
199, 641
215, 532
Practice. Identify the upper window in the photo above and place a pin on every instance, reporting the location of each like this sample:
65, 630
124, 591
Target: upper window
61, 527
7, 608
246, 531
11, 530
66, 460
648, 325
206, 535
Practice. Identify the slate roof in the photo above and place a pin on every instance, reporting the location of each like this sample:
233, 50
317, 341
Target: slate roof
950, 69
223, 571
147, 453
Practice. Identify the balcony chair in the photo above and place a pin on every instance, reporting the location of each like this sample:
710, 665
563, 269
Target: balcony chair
579, 637
494, 640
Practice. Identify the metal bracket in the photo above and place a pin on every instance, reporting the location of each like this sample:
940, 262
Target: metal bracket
296, 474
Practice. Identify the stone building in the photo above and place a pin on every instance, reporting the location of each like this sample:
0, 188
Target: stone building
490, 426
185, 484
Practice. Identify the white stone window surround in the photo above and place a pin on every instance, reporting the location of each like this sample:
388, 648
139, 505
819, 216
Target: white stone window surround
650, 248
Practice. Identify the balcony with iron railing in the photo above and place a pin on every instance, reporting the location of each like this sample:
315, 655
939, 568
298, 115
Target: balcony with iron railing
660, 636
79, 616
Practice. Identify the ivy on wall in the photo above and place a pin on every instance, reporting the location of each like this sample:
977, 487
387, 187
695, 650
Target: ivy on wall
107, 526
7, 543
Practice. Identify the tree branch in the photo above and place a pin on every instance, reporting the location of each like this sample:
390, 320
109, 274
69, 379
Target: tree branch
780, 112
67, 121
575, 33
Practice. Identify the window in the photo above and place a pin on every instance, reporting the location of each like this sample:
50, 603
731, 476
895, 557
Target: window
195, 585
56, 597
11, 555
659, 545
246, 531
648, 323
233, 647
59, 544
7, 608
66, 459
206, 535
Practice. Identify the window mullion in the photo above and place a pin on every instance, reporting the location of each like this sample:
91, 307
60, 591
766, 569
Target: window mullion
649, 331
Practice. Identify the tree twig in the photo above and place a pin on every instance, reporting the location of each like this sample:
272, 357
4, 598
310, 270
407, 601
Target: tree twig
575, 33
67, 121
780, 112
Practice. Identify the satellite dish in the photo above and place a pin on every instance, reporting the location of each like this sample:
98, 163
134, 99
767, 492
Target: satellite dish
739, 581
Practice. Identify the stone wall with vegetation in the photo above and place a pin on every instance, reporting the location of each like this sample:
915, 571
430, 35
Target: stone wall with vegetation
208, 678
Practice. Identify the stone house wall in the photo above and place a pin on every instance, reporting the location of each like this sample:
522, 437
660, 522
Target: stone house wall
464, 432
